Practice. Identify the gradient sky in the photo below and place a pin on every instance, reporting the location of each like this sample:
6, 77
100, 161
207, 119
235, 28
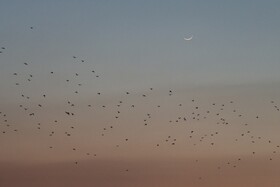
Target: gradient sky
134, 46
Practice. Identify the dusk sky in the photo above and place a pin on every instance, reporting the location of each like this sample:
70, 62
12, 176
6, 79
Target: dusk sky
109, 94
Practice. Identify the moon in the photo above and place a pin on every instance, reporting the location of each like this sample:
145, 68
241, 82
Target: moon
188, 39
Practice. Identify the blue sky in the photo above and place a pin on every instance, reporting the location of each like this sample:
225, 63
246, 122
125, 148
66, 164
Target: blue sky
234, 41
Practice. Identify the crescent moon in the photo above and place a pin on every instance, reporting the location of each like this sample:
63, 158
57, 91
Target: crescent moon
188, 39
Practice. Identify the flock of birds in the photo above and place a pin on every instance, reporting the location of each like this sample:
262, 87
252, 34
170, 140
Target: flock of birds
214, 112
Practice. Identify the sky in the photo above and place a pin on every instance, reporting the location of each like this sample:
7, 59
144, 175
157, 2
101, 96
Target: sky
111, 88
